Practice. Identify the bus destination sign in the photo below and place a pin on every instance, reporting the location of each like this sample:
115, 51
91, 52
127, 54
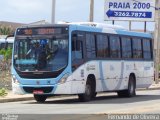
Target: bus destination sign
40, 31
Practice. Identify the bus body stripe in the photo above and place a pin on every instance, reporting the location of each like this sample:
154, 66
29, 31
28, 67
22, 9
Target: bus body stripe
102, 76
121, 77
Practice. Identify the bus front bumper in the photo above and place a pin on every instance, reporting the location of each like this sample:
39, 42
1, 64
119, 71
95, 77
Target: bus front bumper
64, 88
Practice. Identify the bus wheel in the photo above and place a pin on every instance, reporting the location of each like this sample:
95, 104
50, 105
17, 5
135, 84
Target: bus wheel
94, 95
131, 91
88, 93
40, 98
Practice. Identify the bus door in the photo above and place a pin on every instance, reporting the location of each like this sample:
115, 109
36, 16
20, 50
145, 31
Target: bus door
77, 49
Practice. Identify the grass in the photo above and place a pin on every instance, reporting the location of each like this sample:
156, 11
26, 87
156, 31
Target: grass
5, 83
3, 92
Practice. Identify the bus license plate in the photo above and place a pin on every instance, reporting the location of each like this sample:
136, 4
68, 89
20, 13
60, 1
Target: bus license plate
38, 92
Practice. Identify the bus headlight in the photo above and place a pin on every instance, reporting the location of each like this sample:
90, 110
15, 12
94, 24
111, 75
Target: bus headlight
64, 78
15, 80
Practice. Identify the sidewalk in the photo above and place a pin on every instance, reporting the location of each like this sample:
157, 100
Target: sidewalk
14, 98
154, 86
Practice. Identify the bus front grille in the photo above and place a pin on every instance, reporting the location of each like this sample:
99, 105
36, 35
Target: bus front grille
44, 89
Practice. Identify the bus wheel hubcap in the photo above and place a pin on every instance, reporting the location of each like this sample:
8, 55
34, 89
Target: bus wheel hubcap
131, 87
88, 90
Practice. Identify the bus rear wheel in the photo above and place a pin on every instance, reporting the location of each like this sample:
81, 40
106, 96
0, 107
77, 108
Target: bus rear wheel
131, 91
87, 96
40, 98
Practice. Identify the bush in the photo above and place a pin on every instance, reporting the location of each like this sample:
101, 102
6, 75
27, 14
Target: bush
6, 53
5, 62
3, 92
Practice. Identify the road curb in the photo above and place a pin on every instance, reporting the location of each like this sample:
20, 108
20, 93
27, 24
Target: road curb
157, 88
5, 100
142, 89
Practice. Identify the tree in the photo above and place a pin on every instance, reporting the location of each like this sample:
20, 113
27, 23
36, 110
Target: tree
4, 30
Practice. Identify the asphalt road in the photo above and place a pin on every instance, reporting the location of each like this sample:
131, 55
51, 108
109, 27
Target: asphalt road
109, 103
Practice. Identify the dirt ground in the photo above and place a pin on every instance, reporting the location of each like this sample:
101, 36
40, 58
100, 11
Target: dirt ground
5, 80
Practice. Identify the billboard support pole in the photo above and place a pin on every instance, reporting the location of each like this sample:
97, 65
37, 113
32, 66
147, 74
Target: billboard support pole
145, 26
130, 25
53, 11
113, 22
157, 40
91, 17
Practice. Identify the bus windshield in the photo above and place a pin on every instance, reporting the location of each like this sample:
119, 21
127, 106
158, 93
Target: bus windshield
41, 54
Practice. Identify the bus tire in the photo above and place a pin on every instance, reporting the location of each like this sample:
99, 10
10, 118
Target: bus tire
87, 96
94, 95
40, 98
131, 91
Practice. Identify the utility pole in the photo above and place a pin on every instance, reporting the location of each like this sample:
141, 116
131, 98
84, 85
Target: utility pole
157, 39
130, 25
145, 26
91, 18
53, 11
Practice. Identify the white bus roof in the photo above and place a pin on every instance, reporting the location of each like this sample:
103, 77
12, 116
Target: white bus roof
94, 24
9, 40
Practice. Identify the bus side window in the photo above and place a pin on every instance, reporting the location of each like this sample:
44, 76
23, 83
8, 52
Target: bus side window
77, 50
115, 47
90, 46
147, 49
137, 48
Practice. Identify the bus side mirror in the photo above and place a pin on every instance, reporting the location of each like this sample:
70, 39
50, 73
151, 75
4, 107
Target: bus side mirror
8, 36
6, 42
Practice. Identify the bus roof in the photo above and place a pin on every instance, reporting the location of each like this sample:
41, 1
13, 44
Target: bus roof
9, 40
112, 29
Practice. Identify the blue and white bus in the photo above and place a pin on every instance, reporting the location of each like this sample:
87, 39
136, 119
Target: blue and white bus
9, 43
81, 59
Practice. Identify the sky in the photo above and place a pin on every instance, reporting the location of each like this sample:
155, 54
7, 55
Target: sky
28, 11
